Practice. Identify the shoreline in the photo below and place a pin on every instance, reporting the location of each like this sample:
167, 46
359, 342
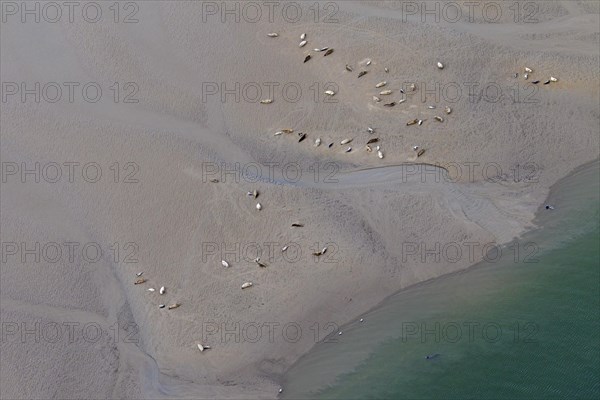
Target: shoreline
540, 222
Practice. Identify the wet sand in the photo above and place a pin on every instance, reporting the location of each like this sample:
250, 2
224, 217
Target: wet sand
161, 209
404, 326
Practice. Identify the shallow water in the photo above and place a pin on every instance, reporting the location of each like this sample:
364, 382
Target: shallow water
523, 326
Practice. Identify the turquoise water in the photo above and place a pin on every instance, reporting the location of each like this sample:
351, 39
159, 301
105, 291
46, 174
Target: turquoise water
511, 329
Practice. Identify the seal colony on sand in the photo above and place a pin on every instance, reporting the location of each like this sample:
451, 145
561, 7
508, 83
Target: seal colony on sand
529, 71
174, 210
411, 88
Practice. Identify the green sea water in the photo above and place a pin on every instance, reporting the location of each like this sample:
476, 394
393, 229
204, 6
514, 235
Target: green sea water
524, 327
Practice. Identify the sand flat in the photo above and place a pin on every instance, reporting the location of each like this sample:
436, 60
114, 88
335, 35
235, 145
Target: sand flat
363, 208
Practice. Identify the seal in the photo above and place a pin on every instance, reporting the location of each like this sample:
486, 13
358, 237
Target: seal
225, 263
330, 92
440, 65
273, 34
381, 84
259, 263
320, 253
139, 281
345, 141
308, 57
420, 153
202, 347
385, 92
303, 36
328, 52
376, 99
258, 206
348, 68
412, 122
317, 142
374, 140
362, 73
302, 43
379, 154
266, 101
173, 306
392, 104
162, 290
246, 285
302, 137
349, 149
439, 119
